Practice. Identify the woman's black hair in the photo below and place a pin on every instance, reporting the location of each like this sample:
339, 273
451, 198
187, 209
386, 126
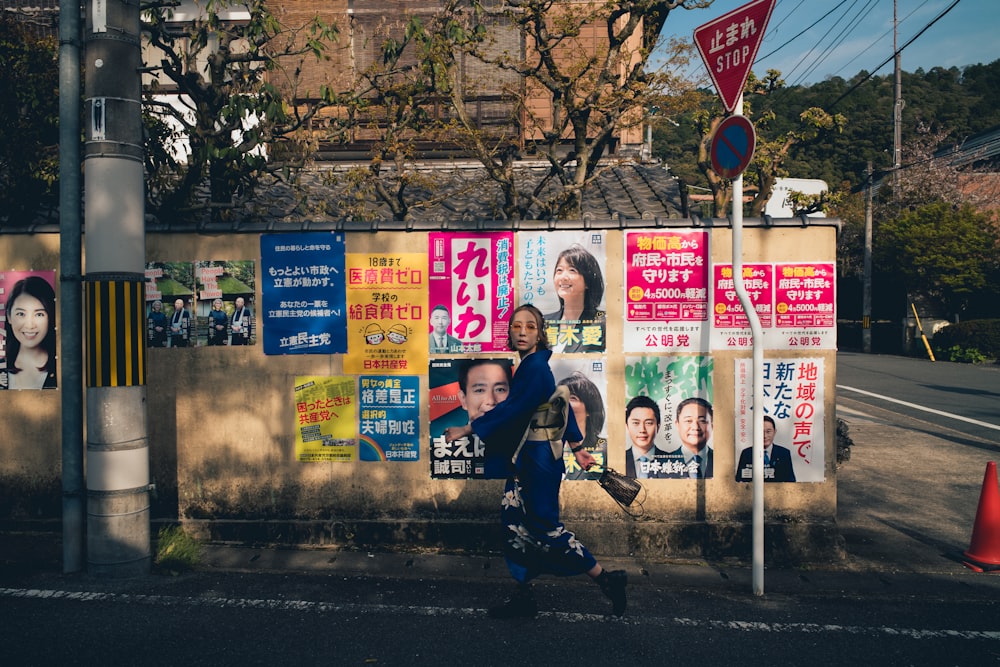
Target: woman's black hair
39, 288
581, 386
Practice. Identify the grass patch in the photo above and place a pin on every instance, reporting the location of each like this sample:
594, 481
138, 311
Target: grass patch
176, 551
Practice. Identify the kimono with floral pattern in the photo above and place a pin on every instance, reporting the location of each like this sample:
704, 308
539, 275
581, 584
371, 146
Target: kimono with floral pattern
537, 541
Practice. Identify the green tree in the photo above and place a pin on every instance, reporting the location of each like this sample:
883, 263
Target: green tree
946, 253
583, 75
29, 122
396, 102
775, 141
228, 106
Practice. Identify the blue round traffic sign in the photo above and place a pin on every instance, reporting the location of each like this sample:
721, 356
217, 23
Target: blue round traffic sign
732, 146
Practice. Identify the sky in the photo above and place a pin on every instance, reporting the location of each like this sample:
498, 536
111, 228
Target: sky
844, 37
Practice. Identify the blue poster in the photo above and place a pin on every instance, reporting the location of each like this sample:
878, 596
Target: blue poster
390, 418
303, 293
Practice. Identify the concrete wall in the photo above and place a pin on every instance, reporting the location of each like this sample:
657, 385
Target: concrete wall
223, 452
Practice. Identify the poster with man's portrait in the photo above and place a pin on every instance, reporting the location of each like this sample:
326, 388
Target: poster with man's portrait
170, 304
669, 417
224, 309
461, 390
794, 434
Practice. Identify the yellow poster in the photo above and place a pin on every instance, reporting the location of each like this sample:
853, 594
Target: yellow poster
386, 314
325, 419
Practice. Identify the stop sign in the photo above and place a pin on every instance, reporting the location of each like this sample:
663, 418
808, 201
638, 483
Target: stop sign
729, 45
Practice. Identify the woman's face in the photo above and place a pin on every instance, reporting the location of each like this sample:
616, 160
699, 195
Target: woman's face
570, 285
579, 413
28, 320
524, 333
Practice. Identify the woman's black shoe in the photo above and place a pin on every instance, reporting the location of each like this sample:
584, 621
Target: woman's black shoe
613, 586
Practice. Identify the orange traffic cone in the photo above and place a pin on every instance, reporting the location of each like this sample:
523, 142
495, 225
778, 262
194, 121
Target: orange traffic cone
984, 550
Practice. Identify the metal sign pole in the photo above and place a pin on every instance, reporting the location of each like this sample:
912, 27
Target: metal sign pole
758, 384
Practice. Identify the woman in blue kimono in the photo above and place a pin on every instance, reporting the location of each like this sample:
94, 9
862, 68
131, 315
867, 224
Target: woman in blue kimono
537, 542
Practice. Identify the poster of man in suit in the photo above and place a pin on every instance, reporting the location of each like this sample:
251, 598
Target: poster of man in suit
794, 417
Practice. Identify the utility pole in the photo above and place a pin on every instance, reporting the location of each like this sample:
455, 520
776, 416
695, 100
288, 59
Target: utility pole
70, 293
118, 541
897, 111
866, 288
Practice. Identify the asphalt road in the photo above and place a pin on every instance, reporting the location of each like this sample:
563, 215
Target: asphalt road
960, 397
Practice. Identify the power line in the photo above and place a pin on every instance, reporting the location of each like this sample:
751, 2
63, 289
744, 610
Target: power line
844, 34
886, 61
880, 38
796, 36
829, 30
786, 17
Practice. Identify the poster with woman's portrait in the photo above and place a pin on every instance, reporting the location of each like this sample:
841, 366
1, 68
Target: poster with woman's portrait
562, 274
28, 330
586, 380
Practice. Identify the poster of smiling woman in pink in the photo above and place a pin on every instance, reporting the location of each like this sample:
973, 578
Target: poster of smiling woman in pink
28, 331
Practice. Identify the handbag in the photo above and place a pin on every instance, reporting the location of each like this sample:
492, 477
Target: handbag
623, 490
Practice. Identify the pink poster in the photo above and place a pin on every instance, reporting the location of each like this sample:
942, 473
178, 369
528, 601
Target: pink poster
470, 294
730, 326
805, 305
666, 291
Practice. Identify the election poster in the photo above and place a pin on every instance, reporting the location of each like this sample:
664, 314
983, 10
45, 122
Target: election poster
805, 306
669, 417
170, 303
303, 293
28, 342
461, 390
794, 431
666, 291
325, 419
386, 313
587, 382
471, 291
389, 428
730, 325
224, 310
562, 273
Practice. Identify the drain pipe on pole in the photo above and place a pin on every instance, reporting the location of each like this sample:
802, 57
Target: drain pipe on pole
758, 380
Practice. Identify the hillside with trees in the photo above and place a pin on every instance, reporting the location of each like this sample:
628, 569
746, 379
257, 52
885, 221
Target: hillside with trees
956, 103
936, 239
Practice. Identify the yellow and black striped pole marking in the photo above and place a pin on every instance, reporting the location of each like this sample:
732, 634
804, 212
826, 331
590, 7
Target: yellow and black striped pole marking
115, 311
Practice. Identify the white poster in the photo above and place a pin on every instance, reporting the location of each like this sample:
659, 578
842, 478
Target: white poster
794, 413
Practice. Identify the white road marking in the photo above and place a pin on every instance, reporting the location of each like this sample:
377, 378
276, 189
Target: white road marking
921, 407
330, 607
